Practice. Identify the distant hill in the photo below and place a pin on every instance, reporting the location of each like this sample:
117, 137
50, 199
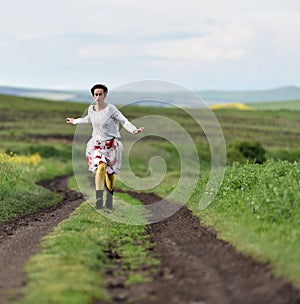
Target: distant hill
79, 96
277, 94
211, 96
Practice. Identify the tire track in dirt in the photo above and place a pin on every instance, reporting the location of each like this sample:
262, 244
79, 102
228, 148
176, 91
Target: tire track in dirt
197, 267
19, 238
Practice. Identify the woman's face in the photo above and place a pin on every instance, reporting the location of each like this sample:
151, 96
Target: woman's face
99, 95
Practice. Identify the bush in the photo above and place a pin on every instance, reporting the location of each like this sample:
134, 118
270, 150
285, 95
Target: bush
245, 151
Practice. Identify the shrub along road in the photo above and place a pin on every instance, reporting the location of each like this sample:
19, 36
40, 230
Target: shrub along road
195, 266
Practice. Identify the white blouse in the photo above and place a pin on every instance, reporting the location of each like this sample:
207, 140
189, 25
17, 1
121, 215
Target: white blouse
106, 122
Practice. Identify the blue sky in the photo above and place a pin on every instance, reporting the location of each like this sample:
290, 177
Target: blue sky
197, 44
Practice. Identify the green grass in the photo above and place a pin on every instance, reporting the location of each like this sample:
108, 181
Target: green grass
30, 126
37, 120
278, 105
273, 129
19, 195
257, 207
284, 154
52, 167
72, 261
258, 210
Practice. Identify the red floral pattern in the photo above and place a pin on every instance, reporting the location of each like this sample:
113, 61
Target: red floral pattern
107, 151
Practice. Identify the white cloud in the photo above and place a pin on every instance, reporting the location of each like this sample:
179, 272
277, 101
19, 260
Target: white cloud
219, 44
107, 50
169, 39
2, 45
282, 29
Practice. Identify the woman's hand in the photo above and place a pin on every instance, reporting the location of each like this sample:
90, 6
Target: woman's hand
69, 120
139, 130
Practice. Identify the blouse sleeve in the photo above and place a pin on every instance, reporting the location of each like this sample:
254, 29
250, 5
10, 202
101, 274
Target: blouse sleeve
123, 121
82, 120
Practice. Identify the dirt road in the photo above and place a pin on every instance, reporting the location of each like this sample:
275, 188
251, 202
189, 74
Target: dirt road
195, 268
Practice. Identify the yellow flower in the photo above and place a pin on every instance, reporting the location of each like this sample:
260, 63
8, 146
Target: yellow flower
33, 159
234, 105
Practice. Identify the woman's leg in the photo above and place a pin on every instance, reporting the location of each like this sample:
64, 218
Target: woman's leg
99, 182
109, 181
100, 176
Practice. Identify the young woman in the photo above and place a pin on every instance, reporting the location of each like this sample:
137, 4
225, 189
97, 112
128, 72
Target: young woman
104, 149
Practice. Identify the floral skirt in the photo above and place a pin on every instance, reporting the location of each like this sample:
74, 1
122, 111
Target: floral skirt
106, 151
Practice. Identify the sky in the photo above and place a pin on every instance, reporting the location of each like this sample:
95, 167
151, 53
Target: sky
197, 44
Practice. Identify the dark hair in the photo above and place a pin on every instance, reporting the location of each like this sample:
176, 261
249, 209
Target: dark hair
99, 86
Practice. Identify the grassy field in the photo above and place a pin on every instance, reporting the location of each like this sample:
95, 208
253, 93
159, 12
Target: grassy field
19, 195
256, 208
293, 105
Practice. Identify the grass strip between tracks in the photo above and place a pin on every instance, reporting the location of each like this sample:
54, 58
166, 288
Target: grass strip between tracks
71, 264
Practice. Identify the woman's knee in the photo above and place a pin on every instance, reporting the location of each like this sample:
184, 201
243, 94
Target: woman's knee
101, 167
